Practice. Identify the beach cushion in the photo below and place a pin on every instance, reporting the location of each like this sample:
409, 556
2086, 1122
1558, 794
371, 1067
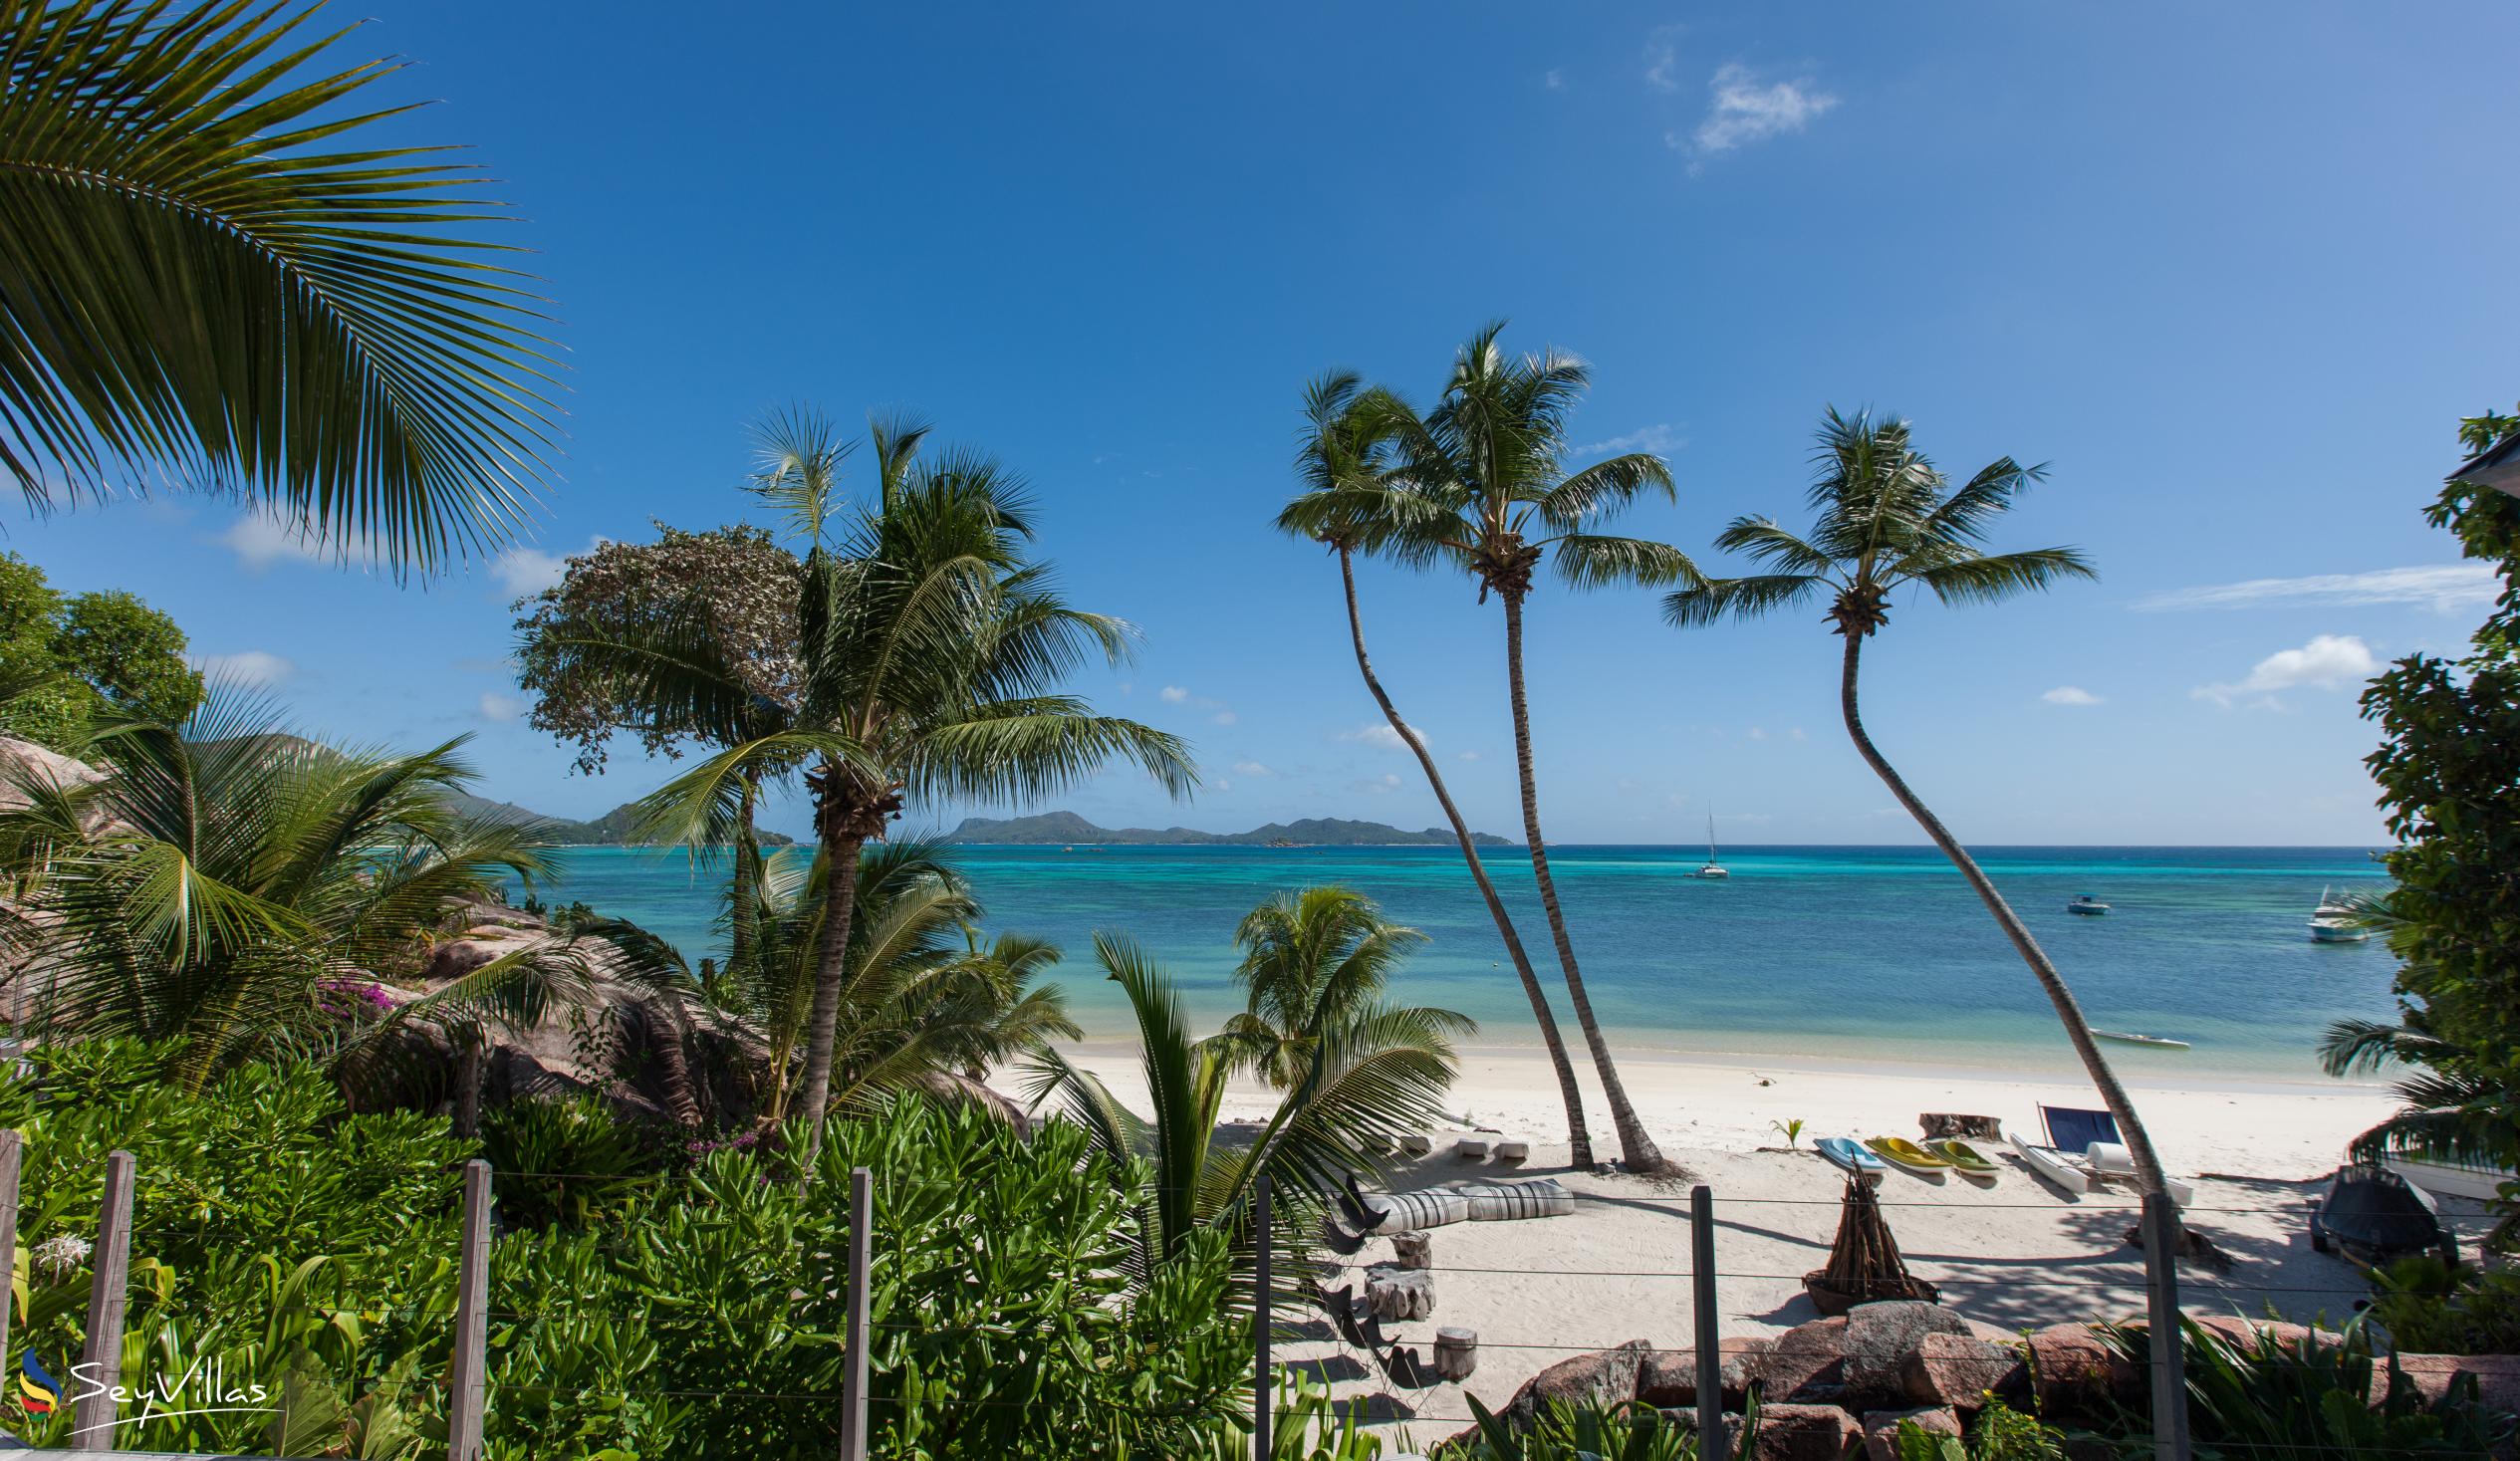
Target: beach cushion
1497, 1202
1404, 1211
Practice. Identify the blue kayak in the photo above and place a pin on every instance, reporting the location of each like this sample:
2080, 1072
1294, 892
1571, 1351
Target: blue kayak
1848, 1156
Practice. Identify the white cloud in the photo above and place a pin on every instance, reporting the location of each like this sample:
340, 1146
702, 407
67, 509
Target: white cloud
1662, 61
2069, 695
1797, 734
1554, 80
1223, 717
2443, 587
1759, 733
259, 668
522, 571
1742, 110
1381, 734
2327, 663
1172, 694
1657, 438
495, 706
1249, 767
259, 541
1469, 754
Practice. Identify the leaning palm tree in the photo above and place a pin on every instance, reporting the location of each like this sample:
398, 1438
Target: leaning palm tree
1315, 961
1345, 462
1363, 1081
199, 277
1478, 487
934, 647
1888, 519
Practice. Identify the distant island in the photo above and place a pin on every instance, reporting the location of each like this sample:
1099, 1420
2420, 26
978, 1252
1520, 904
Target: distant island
1310, 832
611, 830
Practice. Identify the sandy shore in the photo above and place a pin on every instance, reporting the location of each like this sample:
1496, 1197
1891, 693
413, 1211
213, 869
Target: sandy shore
2018, 1254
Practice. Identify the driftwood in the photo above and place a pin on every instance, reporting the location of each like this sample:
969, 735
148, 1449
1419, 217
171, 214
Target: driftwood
1396, 1294
1864, 1262
1974, 1128
1413, 1250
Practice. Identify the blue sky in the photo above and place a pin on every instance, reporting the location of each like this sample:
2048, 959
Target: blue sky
2234, 271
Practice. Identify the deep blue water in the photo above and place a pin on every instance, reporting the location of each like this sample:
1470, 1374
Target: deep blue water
1843, 953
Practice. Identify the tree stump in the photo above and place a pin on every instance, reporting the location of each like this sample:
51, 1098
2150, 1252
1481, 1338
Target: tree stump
1394, 1294
1413, 1250
1457, 1354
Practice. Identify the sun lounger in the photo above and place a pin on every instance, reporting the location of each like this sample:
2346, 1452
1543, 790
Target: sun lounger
2070, 1128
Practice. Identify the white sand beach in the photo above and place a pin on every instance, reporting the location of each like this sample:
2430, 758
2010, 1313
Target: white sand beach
2019, 1254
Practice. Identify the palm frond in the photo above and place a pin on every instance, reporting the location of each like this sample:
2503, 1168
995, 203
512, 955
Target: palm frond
1715, 599
1591, 561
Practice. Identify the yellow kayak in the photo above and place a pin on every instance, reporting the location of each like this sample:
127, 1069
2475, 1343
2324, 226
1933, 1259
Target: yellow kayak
1968, 1159
1907, 1156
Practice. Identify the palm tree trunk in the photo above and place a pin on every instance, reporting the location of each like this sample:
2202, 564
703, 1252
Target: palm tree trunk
831, 975
1635, 1145
1578, 1137
2076, 1029
747, 879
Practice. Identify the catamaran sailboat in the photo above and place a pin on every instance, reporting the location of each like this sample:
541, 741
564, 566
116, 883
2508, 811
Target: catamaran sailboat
1713, 868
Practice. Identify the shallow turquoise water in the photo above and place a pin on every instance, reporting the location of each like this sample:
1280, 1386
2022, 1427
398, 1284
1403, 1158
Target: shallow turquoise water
1842, 952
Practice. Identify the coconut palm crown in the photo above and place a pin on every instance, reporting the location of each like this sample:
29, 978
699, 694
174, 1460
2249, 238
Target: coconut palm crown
1888, 519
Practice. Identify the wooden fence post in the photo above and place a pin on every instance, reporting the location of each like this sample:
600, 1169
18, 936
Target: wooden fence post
1263, 1402
1711, 1354
2169, 1367
12, 1167
853, 1395
467, 1373
98, 1412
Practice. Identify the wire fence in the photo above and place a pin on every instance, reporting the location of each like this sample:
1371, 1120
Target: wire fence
1352, 1326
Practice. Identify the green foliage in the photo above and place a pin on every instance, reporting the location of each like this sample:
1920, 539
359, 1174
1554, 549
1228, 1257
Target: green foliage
1308, 1426
1791, 1129
1999, 1433
2276, 1399
308, 1249
566, 1160
1004, 1320
1316, 962
65, 661
2432, 1308
1592, 1431
2449, 777
215, 266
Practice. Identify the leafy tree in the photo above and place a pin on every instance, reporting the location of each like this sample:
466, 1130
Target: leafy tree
2449, 777
1365, 1078
1476, 487
1316, 962
1344, 463
1888, 519
214, 268
67, 660
931, 648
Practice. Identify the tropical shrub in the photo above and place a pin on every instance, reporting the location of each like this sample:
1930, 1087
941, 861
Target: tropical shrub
2277, 1399
2432, 1308
1999, 1433
1593, 1432
1005, 1319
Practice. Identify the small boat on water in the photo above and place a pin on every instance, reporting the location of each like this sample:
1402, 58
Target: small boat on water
2336, 922
1712, 869
2158, 1042
1849, 1157
2088, 907
1908, 1157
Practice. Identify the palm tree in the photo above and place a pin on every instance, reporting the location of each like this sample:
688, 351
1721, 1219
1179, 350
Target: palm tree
1317, 961
198, 276
932, 648
926, 1003
1477, 486
221, 886
1886, 519
1364, 1079
1344, 463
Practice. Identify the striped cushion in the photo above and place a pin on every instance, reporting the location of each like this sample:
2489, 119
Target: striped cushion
1407, 1211
1497, 1202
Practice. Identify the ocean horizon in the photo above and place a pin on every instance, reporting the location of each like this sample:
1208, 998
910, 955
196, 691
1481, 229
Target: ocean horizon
1846, 953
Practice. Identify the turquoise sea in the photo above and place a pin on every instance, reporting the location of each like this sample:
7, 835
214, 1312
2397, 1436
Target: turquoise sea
1845, 953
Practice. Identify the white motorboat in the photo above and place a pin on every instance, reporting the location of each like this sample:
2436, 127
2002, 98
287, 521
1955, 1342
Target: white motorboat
2164, 1042
1713, 868
2088, 907
2336, 922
